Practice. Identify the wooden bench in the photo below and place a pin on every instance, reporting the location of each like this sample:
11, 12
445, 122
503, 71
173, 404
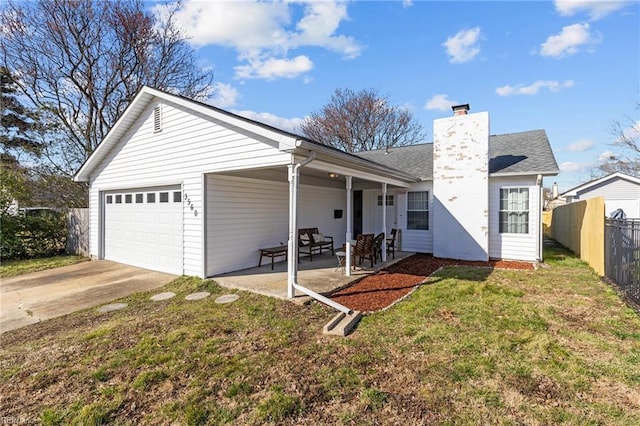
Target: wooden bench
307, 244
272, 252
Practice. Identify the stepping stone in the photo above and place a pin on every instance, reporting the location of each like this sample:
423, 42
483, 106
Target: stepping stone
227, 298
163, 296
197, 296
112, 307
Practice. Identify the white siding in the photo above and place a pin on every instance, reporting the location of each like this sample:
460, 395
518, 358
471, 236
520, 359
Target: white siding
411, 239
614, 189
514, 246
617, 193
244, 215
188, 146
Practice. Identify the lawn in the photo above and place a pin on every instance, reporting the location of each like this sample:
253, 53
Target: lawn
10, 268
471, 346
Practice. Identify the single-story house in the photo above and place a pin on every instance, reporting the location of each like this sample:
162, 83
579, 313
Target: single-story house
620, 191
187, 188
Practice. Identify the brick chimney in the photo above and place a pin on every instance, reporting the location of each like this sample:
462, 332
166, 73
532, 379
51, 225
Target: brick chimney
460, 109
461, 185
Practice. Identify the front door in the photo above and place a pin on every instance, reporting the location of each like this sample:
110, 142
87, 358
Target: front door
357, 213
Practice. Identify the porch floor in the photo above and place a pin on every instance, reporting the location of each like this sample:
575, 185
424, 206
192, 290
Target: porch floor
322, 276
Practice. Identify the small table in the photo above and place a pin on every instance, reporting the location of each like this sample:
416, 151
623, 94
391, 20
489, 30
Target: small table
272, 252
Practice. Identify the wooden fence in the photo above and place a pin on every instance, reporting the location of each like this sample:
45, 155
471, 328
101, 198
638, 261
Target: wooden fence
579, 226
78, 232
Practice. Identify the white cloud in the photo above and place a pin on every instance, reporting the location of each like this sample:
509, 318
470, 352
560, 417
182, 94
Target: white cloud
318, 27
288, 124
264, 32
272, 68
242, 25
533, 89
580, 146
595, 9
407, 3
463, 47
440, 102
223, 95
572, 167
568, 41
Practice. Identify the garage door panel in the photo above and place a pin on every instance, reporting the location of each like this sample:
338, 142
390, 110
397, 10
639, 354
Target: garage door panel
145, 233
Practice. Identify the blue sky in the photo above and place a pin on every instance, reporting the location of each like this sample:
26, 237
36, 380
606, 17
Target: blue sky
569, 67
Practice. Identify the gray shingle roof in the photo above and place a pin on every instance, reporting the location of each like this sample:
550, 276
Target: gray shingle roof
511, 154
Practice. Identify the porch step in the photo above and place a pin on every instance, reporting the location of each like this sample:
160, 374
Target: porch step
342, 323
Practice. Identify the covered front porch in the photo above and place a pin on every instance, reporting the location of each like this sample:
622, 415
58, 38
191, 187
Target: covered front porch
252, 210
322, 276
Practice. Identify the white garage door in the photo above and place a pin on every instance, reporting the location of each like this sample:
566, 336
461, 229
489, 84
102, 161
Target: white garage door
143, 228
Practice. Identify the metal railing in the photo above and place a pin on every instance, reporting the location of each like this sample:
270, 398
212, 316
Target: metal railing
622, 255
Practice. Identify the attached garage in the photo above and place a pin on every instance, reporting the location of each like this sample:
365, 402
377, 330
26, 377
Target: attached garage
144, 227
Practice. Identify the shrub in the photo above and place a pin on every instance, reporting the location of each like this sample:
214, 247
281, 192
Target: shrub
31, 236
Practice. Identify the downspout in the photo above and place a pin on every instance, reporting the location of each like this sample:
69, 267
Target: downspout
292, 278
384, 221
540, 226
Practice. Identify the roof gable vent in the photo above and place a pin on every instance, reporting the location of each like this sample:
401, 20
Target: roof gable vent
157, 119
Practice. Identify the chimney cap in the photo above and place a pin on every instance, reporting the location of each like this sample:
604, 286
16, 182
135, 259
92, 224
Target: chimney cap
460, 109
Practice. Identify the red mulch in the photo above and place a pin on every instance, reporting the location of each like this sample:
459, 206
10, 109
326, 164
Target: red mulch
382, 289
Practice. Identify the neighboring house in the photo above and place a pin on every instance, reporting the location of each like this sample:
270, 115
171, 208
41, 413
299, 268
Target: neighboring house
620, 191
186, 188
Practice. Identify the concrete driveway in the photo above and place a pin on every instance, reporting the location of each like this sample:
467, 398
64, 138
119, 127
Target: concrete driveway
30, 298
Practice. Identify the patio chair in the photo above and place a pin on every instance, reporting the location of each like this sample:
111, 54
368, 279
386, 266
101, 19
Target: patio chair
391, 243
363, 249
377, 247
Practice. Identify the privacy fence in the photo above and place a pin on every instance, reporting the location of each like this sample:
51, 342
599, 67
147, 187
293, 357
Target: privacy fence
580, 228
610, 246
78, 232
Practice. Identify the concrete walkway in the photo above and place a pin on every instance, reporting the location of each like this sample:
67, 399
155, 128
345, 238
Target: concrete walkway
31, 298
322, 276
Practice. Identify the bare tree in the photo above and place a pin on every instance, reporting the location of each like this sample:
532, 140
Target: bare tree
81, 62
361, 121
627, 140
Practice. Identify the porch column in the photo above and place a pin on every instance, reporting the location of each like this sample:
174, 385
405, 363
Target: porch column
349, 235
384, 221
292, 243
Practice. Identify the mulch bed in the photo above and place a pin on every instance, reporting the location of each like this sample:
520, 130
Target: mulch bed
384, 288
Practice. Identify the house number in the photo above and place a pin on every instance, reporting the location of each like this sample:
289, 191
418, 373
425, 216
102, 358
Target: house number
188, 200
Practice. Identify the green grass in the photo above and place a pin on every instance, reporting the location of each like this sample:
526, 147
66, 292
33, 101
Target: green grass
551, 346
11, 268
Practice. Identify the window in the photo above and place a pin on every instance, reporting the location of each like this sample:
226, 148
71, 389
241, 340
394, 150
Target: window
118, 199
514, 210
128, 198
157, 119
389, 200
418, 210
177, 196
151, 197
109, 199
139, 198
164, 197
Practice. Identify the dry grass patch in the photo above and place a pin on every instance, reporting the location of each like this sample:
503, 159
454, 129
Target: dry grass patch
471, 346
